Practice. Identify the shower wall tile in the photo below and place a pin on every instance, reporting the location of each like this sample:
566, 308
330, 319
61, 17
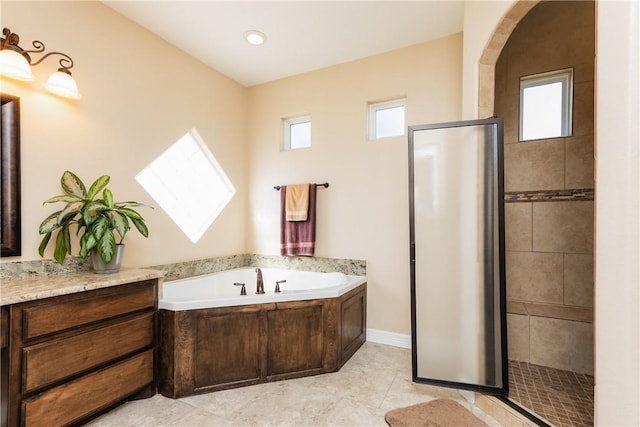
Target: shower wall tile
562, 312
509, 109
534, 165
511, 127
583, 109
562, 344
486, 87
534, 277
501, 80
563, 227
518, 226
579, 162
578, 280
518, 337
516, 307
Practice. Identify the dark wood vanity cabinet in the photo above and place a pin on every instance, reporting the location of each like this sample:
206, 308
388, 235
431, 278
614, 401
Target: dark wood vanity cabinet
71, 357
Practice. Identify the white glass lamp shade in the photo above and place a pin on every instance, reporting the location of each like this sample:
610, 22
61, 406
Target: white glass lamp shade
15, 66
63, 84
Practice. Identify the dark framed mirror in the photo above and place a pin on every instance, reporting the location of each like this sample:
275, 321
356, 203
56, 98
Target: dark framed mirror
10, 147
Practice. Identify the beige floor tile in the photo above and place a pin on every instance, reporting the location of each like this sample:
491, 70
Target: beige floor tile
155, 411
346, 412
365, 384
375, 380
226, 403
404, 392
201, 419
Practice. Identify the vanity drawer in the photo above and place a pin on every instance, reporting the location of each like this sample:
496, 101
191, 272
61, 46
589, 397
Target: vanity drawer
86, 395
46, 319
54, 360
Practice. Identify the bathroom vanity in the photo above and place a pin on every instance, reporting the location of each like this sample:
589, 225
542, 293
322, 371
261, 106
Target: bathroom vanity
75, 345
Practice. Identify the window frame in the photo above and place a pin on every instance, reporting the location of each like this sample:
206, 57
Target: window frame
286, 131
376, 106
564, 76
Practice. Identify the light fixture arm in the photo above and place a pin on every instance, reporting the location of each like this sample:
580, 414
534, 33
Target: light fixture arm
12, 40
66, 59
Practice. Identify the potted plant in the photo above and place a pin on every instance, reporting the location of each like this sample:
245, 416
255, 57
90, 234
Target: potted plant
97, 221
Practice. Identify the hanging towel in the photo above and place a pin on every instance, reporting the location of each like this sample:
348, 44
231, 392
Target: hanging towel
298, 238
297, 203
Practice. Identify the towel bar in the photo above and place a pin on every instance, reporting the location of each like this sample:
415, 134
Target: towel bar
325, 185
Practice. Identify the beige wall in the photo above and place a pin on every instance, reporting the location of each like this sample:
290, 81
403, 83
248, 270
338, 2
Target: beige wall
617, 292
140, 95
139, 111
365, 212
481, 20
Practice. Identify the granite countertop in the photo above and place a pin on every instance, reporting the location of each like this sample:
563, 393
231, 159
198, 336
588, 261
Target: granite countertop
14, 291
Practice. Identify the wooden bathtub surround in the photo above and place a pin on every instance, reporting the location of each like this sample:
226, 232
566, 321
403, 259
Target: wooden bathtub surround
71, 357
220, 348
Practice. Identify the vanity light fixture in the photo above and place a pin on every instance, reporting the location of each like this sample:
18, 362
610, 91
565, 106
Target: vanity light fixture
255, 37
15, 63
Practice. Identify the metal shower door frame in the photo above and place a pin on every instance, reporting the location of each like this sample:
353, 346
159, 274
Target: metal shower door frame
496, 191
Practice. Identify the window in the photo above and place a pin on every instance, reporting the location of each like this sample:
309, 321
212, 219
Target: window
296, 133
386, 119
546, 105
187, 182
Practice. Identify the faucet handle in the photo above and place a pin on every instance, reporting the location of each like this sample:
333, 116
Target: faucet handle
243, 291
278, 285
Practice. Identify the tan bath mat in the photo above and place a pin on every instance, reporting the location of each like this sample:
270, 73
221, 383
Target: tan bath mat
436, 413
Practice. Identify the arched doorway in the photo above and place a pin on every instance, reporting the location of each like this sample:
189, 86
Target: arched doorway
549, 187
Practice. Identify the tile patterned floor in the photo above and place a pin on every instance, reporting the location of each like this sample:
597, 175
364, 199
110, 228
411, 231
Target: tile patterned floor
375, 380
563, 398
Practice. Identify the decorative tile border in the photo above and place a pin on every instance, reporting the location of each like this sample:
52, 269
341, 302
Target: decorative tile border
550, 195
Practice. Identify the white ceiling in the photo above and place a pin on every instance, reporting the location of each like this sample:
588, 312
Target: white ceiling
301, 35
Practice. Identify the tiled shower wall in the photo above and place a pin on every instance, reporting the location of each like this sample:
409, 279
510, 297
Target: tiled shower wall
549, 184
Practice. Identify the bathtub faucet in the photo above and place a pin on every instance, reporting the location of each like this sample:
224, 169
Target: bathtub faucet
278, 285
259, 282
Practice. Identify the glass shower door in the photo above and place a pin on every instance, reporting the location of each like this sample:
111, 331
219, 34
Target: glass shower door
457, 255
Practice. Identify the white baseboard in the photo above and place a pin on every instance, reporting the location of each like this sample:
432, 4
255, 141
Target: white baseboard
389, 338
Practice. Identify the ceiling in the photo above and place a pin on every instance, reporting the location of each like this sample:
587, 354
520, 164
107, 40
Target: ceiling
301, 35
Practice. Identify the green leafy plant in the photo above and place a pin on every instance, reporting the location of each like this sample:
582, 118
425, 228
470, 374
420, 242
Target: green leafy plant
97, 220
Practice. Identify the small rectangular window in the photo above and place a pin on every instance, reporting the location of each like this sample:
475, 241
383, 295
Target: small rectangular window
387, 119
546, 105
296, 133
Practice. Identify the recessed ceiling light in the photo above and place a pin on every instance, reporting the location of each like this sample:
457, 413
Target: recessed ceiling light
255, 37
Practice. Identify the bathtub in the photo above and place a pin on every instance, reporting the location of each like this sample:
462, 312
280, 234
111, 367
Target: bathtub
218, 289
213, 338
